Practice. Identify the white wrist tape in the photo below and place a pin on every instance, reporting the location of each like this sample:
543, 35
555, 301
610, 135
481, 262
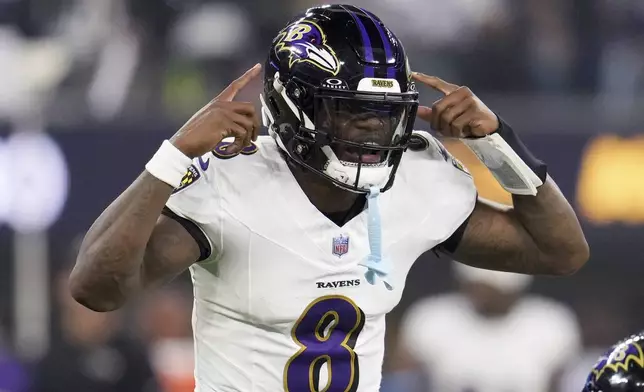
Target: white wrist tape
169, 164
506, 166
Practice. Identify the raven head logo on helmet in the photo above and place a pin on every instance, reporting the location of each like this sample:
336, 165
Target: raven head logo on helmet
305, 41
338, 98
621, 369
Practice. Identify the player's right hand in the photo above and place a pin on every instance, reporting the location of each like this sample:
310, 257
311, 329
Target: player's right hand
221, 118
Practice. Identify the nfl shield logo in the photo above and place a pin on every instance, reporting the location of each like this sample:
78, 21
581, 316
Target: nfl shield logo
340, 245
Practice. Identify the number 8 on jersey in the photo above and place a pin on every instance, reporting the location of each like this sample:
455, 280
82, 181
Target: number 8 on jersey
326, 332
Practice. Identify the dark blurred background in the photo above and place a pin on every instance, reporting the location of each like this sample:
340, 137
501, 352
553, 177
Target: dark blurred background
90, 88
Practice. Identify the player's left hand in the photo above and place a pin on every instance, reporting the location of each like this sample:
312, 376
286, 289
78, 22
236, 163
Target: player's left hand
459, 113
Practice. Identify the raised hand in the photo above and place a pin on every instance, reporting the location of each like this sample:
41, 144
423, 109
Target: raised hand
221, 118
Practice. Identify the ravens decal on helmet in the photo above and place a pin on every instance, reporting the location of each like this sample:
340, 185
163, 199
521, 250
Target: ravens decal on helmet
620, 369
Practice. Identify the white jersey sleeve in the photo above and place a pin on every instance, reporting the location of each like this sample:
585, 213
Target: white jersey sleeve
198, 201
445, 185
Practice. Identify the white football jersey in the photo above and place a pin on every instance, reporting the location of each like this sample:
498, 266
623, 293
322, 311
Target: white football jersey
462, 351
283, 304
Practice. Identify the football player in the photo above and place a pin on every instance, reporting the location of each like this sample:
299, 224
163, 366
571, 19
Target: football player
620, 369
299, 243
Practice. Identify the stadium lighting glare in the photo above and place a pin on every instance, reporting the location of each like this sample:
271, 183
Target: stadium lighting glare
36, 178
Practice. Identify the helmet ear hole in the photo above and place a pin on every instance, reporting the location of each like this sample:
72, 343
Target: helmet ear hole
296, 92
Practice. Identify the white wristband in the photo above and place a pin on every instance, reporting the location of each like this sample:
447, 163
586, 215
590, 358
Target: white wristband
169, 164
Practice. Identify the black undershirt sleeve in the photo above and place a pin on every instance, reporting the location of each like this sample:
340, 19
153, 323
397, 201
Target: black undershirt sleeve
205, 249
450, 244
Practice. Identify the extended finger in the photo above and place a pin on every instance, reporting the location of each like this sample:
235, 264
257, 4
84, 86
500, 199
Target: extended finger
435, 82
229, 93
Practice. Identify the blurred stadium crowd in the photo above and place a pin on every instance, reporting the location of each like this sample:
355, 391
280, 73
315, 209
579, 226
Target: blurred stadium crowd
96, 71
101, 60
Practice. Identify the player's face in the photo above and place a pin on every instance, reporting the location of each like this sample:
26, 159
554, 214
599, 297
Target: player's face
372, 124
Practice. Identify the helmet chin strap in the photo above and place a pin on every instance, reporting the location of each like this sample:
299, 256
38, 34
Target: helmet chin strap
369, 175
377, 267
